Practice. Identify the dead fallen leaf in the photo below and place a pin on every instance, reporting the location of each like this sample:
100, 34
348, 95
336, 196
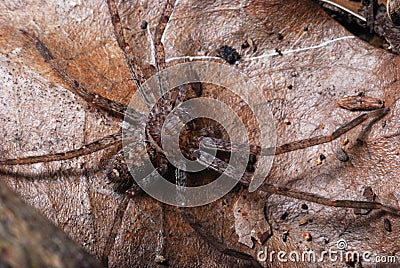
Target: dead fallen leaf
317, 64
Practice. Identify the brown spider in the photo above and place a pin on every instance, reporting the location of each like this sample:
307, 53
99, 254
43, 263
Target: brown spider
194, 136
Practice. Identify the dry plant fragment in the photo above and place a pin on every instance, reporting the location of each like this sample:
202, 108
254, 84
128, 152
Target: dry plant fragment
306, 236
250, 222
360, 103
303, 221
387, 225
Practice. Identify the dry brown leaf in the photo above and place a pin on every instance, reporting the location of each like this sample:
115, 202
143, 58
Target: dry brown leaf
320, 63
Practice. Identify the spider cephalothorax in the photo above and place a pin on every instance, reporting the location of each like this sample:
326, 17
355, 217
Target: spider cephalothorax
190, 136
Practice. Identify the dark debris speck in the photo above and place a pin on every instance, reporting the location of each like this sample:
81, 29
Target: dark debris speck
341, 155
228, 53
143, 25
284, 216
304, 206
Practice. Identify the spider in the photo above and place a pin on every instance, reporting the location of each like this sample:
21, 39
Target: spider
195, 137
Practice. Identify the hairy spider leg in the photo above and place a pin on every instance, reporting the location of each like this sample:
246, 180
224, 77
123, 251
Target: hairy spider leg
159, 55
114, 108
228, 146
92, 147
222, 167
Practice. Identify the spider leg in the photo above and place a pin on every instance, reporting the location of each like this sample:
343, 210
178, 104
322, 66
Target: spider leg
119, 214
227, 146
180, 177
216, 242
159, 51
126, 49
92, 147
185, 91
301, 144
152, 224
115, 108
158, 34
158, 46
222, 167
190, 219
286, 191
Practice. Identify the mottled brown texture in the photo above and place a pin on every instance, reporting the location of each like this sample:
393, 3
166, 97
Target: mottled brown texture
27, 239
38, 116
